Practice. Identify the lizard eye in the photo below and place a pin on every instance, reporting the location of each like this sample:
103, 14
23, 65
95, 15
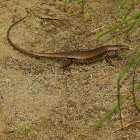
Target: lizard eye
117, 50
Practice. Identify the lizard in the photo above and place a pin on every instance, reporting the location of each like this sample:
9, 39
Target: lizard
83, 57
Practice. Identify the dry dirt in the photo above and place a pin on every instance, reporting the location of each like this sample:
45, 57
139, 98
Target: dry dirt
64, 105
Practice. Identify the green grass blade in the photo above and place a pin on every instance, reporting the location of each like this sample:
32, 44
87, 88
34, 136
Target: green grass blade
137, 87
131, 8
133, 83
96, 126
79, 2
133, 25
130, 27
124, 9
118, 26
121, 76
119, 102
64, 1
118, 9
117, 35
136, 50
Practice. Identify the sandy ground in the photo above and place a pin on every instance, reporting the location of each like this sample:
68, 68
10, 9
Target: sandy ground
57, 105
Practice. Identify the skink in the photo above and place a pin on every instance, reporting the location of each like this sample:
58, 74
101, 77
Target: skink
89, 56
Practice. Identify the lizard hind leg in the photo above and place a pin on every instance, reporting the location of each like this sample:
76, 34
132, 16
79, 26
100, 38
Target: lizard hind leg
108, 59
66, 64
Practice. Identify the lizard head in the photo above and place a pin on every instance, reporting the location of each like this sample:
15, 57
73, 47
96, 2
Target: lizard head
116, 49
123, 47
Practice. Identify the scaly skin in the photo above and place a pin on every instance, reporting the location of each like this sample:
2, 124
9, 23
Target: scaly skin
89, 56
